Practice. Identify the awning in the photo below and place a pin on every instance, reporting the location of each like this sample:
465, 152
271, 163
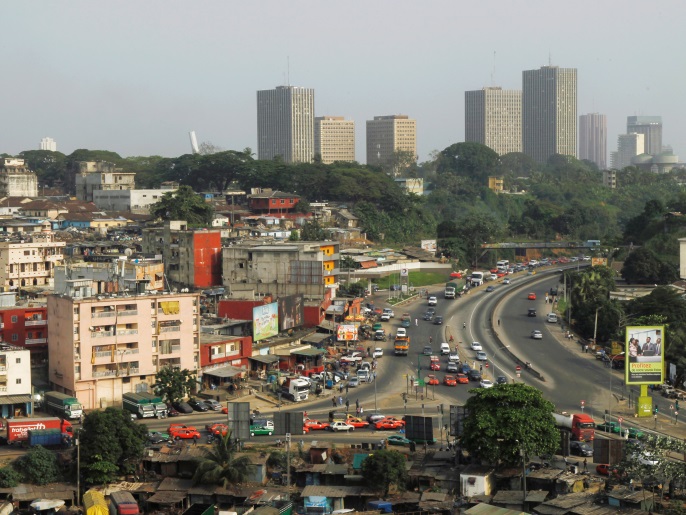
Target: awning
369, 264
288, 351
315, 337
267, 359
312, 351
327, 325
14, 399
227, 371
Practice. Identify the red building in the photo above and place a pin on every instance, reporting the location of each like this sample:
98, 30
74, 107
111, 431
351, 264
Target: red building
272, 202
26, 327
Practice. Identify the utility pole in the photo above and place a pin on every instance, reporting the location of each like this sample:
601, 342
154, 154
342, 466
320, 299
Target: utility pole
288, 461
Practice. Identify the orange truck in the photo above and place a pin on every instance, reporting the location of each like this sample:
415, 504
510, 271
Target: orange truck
402, 346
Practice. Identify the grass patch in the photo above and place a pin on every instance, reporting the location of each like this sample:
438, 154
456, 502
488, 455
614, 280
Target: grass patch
417, 279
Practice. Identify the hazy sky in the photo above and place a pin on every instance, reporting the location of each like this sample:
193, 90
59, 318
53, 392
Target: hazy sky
135, 76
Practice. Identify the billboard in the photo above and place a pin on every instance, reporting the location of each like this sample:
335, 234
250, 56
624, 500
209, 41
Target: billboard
645, 350
428, 245
291, 311
265, 321
346, 333
598, 261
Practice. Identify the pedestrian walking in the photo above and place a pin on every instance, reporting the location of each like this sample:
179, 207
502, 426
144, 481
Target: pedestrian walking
333, 401
346, 389
473, 364
357, 403
498, 322
340, 387
358, 411
481, 368
416, 322
585, 465
340, 400
347, 405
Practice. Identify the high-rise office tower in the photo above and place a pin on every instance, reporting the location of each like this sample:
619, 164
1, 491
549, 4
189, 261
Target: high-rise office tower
388, 134
285, 124
48, 144
334, 139
593, 139
628, 147
651, 128
549, 112
493, 117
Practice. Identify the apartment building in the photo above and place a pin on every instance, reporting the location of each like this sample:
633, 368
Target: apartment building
593, 139
26, 327
387, 135
106, 345
493, 117
334, 139
87, 183
15, 381
16, 180
651, 128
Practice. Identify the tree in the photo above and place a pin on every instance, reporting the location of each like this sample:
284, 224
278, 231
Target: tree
183, 204
174, 384
39, 466
219, 466
385, 468
111, 445
643, 266
312, 231
476, 229
468, 159
506, 420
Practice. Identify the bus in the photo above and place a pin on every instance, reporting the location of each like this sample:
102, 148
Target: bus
503, 265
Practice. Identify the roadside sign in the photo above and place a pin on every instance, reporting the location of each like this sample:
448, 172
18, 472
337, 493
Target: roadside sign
583, 403
518, 368
403, 272
620, 419
486, 365
519, 375
416, 383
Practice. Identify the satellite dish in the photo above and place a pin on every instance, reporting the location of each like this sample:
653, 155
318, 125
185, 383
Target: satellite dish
128, 252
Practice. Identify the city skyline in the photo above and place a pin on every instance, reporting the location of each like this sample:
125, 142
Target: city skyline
198, 68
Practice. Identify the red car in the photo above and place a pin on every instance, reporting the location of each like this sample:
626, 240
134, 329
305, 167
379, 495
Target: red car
313, 425
389, 423
184, 434
605, 470
356, 422
462, 379
494, 270
456, 275
176, 427
432, 379
435, 365
532, 296
217, 429
449, 381
225, 410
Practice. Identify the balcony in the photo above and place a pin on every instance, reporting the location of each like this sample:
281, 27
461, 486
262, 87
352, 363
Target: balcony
3, 369
127, 313
103, 354
124, 332
103, 314
105, 373
101, 334
170, 329
328, 273
169, 349
35, 322
34, 341
218, 355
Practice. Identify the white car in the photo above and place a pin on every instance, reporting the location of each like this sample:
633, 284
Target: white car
481, 356
389, 312
476, 346
646, 459
401, 332
486, 383
506, 281
432, 301
537, 335
378, 353
453, 356
385, 317
351, 359
341, 426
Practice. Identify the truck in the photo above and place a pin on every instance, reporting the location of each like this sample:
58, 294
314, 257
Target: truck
450, 290
62, 405
477, 278
139, 405
16, 430
580, 425
94, 503
123, 503
161, 409
47, 437
295, 389
402, 345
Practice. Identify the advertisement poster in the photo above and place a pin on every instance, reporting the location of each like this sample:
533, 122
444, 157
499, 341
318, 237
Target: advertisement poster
346, 333
265, 321
645, 354
598, 261
291, 312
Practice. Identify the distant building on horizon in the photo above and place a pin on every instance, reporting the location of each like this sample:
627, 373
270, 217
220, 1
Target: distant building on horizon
389, 134
651, 128
285, 124
549, 113
628, 147
493, 117
593, 139
334, 139
48, 144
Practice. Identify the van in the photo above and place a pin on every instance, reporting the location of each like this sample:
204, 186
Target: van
445, 349
552, 318
364, 376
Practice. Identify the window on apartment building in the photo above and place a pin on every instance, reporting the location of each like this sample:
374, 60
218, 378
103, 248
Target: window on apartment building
15, 337
15, 319
19, 380
18, 360
27, 252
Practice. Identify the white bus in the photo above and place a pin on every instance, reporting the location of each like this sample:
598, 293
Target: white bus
503, 264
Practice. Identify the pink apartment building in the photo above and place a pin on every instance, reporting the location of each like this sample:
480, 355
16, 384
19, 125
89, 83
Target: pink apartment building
103, 346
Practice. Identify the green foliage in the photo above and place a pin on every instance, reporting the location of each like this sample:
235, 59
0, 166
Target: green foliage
50, 167
354, 289
111, 445
472, 160
9, 477
173, 384
312, 231
383, 469
39, 466
277, 460
219, 466
643, 266
507, 419
590, 293
348, 263
183, 204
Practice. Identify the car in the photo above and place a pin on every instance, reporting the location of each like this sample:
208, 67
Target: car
501, 380
506, 281
646, 459
389, 312
465, 368
379, 335
314, 425
476, 346
339, 426
356, 422
608, 427
481, 356
394, 287
531, 312
435, 366
377, 327
389, 423
580, 448
462, 379
428, 351
197, 405
474, 375
182, 407
378, 353
405, 323
531, 296
432, 301
375, 288
397, 440
551, 318
185, 434
385, 317
450, 381
373, 418
431, 310
614, 427
490, 288
158, 437
453, 356
353, 382
217, 428
432, 379
428, 316
438, 320
604, 469
536, 334
213, 405
174, 427
171, 411
401, 332
261, 430
486, 383
451, 367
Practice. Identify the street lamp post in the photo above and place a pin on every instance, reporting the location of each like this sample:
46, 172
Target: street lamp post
611, 362
121, 353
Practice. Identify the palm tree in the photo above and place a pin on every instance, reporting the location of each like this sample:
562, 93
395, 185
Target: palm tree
219, 465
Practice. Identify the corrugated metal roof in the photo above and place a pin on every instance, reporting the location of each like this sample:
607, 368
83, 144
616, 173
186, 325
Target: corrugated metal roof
14, 399
336, 491
487, 509
265, 358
